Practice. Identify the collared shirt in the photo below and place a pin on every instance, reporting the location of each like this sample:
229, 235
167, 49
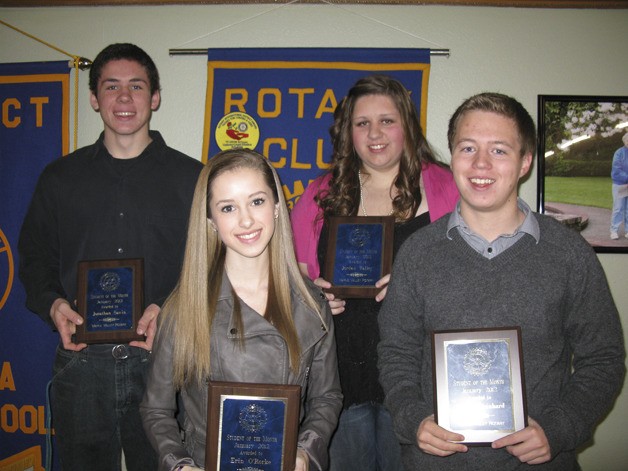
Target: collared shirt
491, 249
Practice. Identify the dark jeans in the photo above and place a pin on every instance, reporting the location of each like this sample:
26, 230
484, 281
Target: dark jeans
365, 440
95, 410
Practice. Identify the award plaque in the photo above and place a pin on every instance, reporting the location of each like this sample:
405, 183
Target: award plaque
252, 426
110, 298
359, 252
479, 388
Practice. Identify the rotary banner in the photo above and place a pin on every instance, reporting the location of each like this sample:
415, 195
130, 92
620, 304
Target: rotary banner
33, 132
280, 102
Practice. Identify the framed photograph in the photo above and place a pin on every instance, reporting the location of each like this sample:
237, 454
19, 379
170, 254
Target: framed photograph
580, 165
479, 386
359, 252
110, 299
252, 426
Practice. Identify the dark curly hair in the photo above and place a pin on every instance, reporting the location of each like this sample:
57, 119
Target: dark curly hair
343, 196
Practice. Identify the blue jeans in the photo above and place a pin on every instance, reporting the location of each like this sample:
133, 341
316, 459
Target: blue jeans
95, 409
620, 211
365, 440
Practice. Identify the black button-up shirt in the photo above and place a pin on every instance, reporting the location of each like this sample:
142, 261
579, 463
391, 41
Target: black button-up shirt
90, 206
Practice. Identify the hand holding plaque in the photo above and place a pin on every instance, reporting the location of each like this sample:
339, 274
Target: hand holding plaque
110, 299
359, 253
479, 388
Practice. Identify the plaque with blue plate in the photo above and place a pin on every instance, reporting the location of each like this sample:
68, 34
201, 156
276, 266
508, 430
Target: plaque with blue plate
252, 426
479, 387
359, 253
110, 299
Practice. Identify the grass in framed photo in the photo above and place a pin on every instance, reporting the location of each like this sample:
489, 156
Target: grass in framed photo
583, 166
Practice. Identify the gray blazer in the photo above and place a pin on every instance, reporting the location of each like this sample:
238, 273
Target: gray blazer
263, 359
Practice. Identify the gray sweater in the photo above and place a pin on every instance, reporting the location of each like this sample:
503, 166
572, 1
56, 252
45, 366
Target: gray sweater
555, 290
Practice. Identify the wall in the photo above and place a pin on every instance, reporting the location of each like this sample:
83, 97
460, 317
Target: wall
522, 52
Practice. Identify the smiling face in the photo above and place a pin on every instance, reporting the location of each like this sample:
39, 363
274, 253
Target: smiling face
377, 132
243, 212
124, 100
487, 164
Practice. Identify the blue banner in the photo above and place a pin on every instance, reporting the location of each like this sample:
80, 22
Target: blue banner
33, 132
280, 102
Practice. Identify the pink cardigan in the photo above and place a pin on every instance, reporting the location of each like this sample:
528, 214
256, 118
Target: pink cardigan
440, 190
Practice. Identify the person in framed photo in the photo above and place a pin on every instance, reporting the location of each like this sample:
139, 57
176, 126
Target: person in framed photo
619, 175
242, 312
494, 263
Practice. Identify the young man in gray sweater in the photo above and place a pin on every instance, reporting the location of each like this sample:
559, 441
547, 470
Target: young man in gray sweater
494, 263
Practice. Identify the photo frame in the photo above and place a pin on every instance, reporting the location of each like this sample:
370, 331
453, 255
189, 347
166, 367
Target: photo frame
479, 383
577, 138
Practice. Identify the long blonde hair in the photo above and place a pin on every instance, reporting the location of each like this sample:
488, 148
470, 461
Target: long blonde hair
189, 311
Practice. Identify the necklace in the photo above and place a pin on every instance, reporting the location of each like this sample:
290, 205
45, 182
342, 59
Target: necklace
362, 199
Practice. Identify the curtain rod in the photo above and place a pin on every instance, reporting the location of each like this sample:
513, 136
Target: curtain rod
202, 52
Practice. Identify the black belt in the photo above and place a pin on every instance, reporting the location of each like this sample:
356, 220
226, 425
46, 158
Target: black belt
119, 352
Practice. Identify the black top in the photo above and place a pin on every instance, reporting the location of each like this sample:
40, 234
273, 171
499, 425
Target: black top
90, 206
357, 332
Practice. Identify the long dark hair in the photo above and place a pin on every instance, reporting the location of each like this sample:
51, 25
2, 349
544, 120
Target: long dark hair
343, 196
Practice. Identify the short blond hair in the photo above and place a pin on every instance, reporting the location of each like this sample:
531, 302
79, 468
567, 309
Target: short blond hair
500, 104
